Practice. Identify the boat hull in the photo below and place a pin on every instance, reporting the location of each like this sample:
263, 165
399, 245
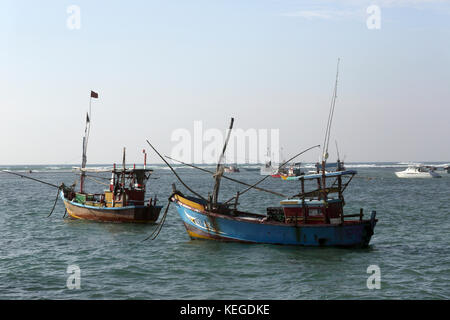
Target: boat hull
200, 224
132, 214
425, 175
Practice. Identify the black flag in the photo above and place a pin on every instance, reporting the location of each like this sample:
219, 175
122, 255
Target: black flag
94, 94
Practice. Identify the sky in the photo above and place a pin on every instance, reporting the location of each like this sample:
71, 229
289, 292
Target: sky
159, 66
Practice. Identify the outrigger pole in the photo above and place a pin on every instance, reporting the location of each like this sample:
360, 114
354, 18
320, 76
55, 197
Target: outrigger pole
24, 176
44, 182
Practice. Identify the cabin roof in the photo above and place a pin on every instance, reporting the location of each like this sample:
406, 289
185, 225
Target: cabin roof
309, 202
131, 170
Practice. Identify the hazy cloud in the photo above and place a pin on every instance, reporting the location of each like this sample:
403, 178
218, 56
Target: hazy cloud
323, 14
343, 9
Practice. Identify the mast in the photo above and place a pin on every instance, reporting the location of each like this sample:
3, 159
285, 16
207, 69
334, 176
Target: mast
219, 168
338, 162
145, 158
326, 141
337, 150
87, 131
124, 169
327, 133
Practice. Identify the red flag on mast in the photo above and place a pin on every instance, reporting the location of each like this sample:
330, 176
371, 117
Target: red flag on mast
94, 94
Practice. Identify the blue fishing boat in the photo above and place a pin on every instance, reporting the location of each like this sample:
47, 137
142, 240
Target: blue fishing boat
313, 217
308, 219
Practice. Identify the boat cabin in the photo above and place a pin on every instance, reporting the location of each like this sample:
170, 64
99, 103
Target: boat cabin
315, 207
127, 188
311, 211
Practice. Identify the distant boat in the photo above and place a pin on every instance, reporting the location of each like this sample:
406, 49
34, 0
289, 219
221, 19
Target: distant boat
267, 169
418, 171
329, 167
231, 168
293, 170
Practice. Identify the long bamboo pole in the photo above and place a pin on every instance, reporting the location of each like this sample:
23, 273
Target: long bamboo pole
27, 177
176, 175
226, 177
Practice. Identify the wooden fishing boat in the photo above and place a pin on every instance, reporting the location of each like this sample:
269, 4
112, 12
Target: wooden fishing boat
294, 170
308, 219
312, 217
124, 201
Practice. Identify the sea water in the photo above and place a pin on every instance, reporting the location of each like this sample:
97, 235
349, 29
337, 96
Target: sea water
410, 247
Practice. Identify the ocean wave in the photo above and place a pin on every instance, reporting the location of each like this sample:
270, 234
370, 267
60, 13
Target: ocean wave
249, 167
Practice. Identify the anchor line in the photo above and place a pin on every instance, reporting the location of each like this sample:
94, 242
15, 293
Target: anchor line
56, 200
156, 232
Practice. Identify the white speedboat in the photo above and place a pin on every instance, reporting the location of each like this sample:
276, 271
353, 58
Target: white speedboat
418, 171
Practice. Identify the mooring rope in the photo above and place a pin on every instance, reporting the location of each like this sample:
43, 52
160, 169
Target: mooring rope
56, 200
156, 232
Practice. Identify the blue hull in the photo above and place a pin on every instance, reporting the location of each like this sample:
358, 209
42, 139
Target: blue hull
254, 229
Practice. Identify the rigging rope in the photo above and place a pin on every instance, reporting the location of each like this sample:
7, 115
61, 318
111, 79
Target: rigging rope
105, 184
